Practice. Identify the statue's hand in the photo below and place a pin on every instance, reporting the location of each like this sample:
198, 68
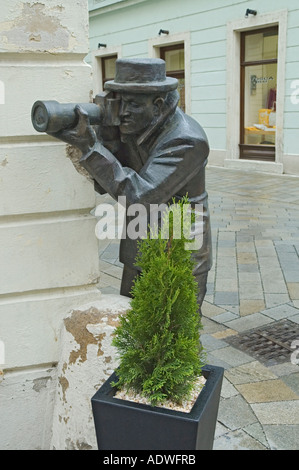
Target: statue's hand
82, 135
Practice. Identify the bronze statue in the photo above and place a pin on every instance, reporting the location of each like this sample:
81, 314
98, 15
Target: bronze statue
137, 143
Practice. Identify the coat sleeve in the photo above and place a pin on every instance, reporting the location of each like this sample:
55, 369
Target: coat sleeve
167, 170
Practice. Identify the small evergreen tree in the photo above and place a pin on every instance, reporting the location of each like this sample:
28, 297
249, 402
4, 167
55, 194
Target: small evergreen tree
158, 339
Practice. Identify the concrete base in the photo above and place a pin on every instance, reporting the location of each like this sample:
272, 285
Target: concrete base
87, 359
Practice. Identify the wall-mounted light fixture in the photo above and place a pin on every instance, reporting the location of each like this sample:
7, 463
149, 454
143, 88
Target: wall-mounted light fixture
250, 12
101, 45
163, 31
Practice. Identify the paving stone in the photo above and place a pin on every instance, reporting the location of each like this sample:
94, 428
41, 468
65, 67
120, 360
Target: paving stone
245, 247
226, 236
226, 263
111, 270
281, 412
225, 333
266, 243
233, 308
296, 304
249, 306
276, 299
109, 290
267, 391
282, 247
209, 298
284, 369
273, 282
250, 268
220, 430
243, 237
225, 317
291, 276
292, 381
210, 310
282, 437
246, 258
232, 356
248, 322
249, 278
293, 288
256, 431
211, 343
228, 390
251, 291
268, 264
227, 298
241, 416
107, 280
226, 272
226, 285
226, 243
281, 311
211, 327
265, 251
237, 440
250, 372
216, 361
210, 288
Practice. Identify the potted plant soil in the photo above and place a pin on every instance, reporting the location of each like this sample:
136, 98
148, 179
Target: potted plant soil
162, 370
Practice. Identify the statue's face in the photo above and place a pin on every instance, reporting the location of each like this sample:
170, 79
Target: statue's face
137, 112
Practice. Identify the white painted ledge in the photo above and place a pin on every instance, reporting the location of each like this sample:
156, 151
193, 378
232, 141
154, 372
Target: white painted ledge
254, 165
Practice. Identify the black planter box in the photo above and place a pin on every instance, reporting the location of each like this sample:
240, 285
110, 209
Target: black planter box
125, 425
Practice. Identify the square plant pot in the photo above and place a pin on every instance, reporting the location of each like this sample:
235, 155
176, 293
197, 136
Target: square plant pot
125, 425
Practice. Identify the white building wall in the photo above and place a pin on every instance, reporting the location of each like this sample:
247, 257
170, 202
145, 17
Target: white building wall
48, 248
130, 25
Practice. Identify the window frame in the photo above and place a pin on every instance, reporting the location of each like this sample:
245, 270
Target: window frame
178, 74
249, 151
103, 60
176, 39
97, 55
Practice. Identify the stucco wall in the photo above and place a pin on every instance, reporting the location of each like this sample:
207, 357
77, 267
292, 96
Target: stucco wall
48, 248
87, 359
129, 26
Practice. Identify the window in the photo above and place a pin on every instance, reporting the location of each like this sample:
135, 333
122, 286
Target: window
259, 50
108, 68
174, 57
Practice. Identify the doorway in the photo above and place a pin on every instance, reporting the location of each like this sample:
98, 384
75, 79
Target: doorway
258, 90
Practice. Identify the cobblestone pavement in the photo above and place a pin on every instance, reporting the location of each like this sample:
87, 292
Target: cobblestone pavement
251, 309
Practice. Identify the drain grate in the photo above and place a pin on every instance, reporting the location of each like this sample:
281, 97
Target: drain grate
270, 344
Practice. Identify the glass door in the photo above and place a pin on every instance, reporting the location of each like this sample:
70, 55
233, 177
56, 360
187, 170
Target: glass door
259, 50
175, 67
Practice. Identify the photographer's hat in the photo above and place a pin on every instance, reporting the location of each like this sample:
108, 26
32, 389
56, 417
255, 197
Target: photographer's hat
141, 76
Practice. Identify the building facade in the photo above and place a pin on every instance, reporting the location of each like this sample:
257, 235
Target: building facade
49, 252
237, 63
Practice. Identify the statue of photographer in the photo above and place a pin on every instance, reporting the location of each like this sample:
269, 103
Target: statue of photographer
155, 153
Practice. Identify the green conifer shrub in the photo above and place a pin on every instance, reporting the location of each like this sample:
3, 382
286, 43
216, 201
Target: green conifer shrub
158, 339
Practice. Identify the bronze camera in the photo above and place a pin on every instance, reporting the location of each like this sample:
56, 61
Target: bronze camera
51, 116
